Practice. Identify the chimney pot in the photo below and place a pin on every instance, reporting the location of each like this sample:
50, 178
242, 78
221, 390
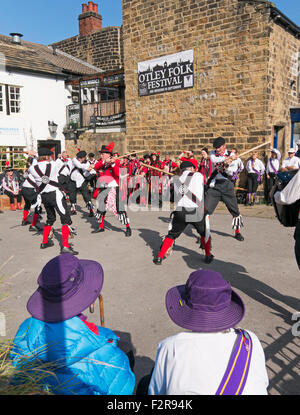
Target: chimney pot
16, 38
96, 8
84, 8
91, 6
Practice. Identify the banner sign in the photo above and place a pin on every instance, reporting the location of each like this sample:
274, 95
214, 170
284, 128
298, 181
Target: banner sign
115, 119
113, 79
90, 83
167, 73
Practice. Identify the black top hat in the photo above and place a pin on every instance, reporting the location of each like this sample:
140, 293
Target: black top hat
44, 152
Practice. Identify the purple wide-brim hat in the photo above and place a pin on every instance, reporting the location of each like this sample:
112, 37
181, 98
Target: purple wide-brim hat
206, 303
67, 287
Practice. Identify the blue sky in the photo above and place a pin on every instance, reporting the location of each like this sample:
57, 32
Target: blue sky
48, 21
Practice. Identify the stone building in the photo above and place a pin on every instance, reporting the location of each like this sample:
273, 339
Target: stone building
97, 45
243, 58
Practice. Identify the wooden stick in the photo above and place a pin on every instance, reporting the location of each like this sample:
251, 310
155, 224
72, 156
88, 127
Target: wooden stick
155, 168
101, 307
129, 154
254, 148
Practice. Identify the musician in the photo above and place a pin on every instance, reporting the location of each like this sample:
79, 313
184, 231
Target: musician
155, 193
45, 174
189, 210
108, 190
205, 165
255, 169
169, 166
220, 186
80, 173
272, 169
288, 196
11, 186
291, 162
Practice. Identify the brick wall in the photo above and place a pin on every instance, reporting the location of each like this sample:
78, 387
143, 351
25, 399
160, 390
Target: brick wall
101, 48
232, 94
92, 143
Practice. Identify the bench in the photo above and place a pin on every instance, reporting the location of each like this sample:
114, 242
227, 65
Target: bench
5, 205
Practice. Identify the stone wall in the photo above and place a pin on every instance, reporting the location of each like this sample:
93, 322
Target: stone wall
92, 143
102, 48
235, 68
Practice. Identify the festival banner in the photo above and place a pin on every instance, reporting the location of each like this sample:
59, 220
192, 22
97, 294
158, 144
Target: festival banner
166, 73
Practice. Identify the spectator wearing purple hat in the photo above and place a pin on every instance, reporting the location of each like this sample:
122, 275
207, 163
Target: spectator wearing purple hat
214, 357
85, 359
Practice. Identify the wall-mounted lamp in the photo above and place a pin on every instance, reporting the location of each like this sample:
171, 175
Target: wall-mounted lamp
52, 127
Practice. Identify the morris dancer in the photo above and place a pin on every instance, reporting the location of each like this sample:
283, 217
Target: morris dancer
30, 195
169, 166
189, 156
79, 174
205, 165
64, 167
155, 179
236, 167
273, 167
108, 192
189, 210
45, 175
221, 188
255, 169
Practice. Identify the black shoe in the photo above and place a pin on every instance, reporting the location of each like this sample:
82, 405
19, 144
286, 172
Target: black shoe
73, 212
24, 223
208, 259
98, 230
33, 228
239, 237
128, 232
157, 261
65, 250
91, 214
47, 245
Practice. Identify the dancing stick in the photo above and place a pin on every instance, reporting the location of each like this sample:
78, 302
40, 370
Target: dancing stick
254, 148
101, 307
155, 168
129, 154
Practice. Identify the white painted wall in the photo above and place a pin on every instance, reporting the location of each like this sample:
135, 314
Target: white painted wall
43, 99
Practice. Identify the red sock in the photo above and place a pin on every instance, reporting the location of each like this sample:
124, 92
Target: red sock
127, 226
101, 225
237, 231
65, 235
47, 230
25, 215
206, 246
34, 220
168, 242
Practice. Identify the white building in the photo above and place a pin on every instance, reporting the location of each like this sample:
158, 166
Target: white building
33, 96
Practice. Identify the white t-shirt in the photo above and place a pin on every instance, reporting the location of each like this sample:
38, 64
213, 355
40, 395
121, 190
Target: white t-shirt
191, 363
291, 162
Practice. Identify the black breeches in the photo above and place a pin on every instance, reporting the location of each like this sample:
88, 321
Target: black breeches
252, 183
55, 202
222, 191
84, 190
30, 197
184, 217
12, 197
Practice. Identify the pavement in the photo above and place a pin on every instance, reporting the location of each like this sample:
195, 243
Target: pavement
262, 269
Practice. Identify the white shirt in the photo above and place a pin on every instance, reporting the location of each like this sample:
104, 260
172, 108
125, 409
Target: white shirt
76, 176
215, 159
30, 176
291, 162
258, 165
276, 164
53, 175
196, 186
236, 165
64, 166
191, 363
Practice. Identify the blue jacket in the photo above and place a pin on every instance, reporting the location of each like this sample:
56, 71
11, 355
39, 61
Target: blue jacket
85, 363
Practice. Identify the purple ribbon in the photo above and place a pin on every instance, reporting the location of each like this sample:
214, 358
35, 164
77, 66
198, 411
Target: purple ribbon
235, 377
256, 171
272, 166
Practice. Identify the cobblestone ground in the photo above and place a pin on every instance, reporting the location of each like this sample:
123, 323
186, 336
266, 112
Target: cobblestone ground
262, 269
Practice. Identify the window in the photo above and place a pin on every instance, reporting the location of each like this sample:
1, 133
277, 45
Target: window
14, 99
10, 99
12, 157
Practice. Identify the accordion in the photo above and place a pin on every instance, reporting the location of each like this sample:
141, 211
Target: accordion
286, 214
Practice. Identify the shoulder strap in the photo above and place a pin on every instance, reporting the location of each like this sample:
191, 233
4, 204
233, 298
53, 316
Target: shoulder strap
187, 191
235, 377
